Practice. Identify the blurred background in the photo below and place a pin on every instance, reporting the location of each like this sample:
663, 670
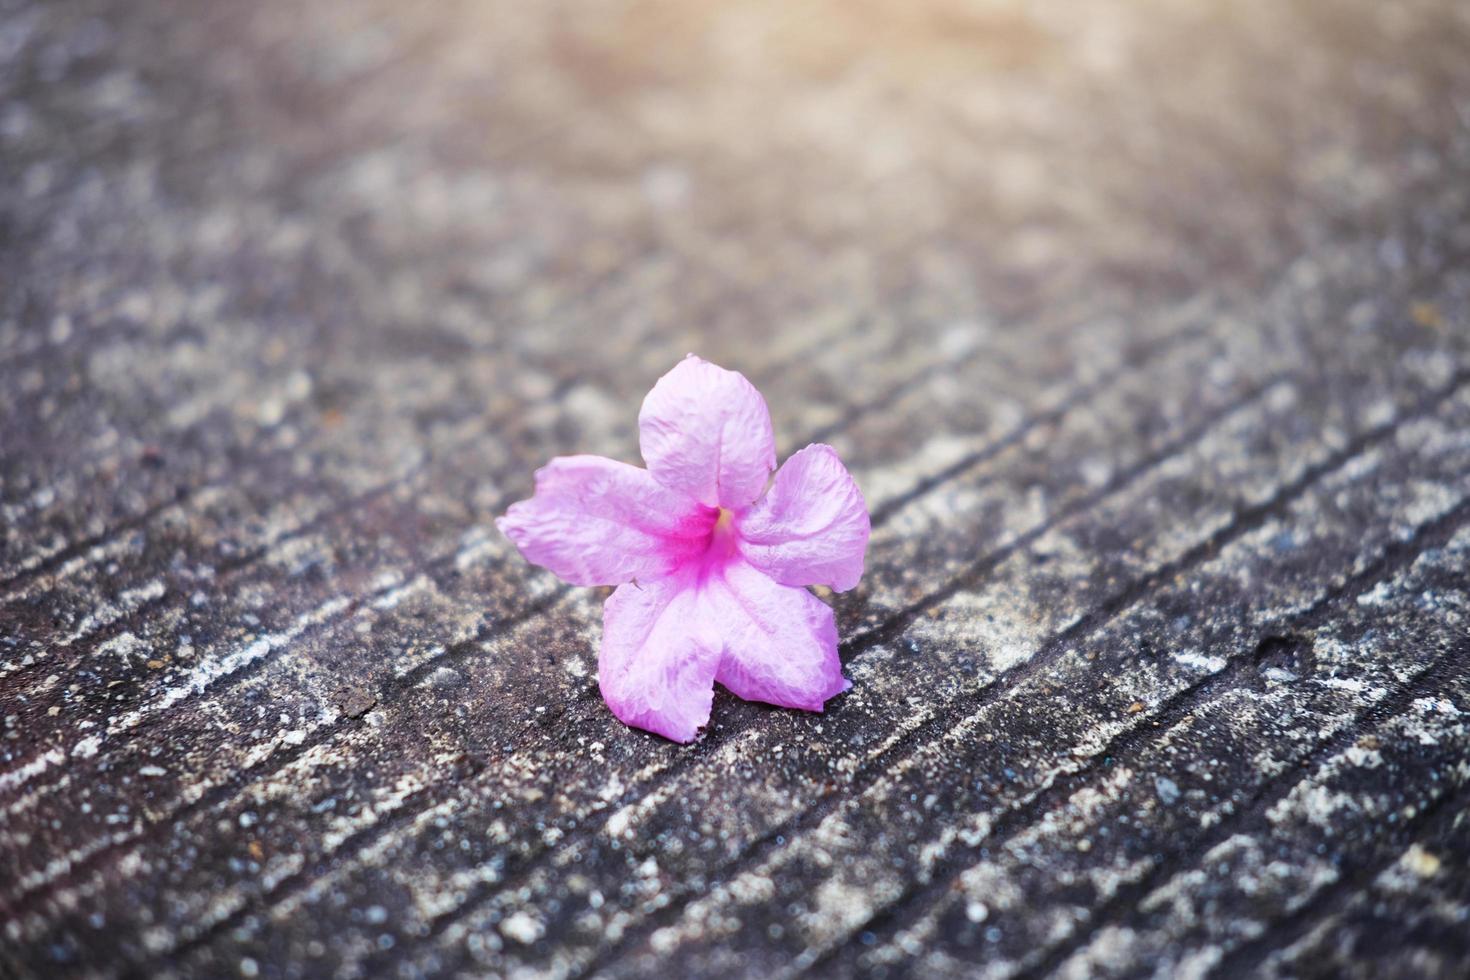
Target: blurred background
290, 216
294, 297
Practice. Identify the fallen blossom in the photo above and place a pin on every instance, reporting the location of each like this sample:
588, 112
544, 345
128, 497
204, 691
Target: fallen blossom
711, 557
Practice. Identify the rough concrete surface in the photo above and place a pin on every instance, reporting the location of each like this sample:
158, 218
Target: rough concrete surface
1143, 324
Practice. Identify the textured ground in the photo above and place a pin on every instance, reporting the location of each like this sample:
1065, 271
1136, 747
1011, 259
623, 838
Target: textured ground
1144, 325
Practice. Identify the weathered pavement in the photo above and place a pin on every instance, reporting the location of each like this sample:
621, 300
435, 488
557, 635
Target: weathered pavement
1144, 325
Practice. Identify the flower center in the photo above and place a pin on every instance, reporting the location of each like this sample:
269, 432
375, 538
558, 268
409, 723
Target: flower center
723, 540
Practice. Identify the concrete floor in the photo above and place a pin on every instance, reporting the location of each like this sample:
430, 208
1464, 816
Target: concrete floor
1144, 326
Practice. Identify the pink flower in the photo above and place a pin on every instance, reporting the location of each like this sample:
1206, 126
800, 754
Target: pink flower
711, 565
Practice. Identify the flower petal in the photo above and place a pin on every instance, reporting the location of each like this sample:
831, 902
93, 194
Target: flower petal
595, 521
705, 432
811, 527
658, 659
780, 642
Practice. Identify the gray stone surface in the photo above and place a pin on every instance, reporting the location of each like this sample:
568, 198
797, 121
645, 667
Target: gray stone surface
1144, 325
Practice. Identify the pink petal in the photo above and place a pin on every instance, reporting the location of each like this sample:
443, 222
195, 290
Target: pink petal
780, 642
595, 521
658, 660
811, 527
705, 432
